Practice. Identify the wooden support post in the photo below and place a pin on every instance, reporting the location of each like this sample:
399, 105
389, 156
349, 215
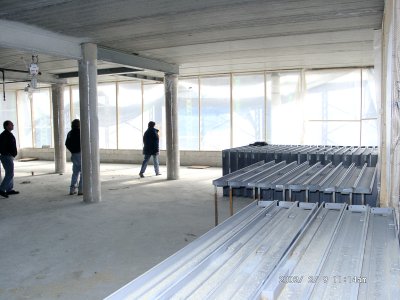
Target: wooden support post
215, 205
231, 200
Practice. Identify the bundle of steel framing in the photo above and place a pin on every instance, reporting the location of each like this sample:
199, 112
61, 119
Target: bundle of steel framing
237, 158
304, 182
283, 250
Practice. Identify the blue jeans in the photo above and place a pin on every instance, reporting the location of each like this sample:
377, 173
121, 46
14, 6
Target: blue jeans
155, 162
8, 181
76, 171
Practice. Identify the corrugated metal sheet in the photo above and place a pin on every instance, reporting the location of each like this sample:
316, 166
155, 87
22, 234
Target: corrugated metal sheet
282, 250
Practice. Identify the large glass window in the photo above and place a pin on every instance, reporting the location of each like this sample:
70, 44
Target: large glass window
130, 115
42, 118
188, 114
369, 122
67, 111
284, 108
24, 119
343, 133
333, 99
154, 109
334, 107
369, 132
106, 97
75, 103
8, 111
333, 95
248, 116
215, 113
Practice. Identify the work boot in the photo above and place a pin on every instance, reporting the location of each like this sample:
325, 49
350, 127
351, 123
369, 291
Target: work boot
12, 192
4, 194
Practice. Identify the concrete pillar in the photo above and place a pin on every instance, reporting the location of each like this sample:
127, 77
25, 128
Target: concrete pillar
89, 124
171, 107
57, 97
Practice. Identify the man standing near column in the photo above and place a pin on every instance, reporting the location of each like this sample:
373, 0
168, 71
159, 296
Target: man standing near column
151, 148
8, 150
73, 144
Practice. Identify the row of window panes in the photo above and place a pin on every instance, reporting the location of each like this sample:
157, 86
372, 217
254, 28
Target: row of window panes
313, 107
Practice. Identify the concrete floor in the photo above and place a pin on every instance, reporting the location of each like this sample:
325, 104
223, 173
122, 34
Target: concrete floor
54, 246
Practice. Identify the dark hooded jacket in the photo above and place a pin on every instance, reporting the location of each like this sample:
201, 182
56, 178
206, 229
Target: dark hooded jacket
151, 141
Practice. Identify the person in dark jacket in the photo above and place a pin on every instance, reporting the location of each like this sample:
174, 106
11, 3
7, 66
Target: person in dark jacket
8, 150
150, 148
73, 144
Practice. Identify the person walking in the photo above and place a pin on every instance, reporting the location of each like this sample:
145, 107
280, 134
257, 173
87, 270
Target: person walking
8, 150
150, 148
73, 144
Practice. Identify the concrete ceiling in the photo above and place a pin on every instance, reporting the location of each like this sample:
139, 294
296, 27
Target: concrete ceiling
208, 36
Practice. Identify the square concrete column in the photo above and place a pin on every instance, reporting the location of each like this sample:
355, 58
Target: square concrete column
57, 98
171, 116
89, 124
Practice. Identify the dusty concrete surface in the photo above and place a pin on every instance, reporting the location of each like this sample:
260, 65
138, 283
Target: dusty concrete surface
53, 246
